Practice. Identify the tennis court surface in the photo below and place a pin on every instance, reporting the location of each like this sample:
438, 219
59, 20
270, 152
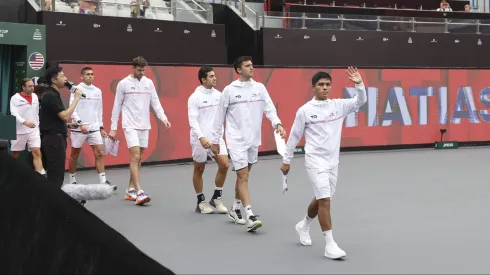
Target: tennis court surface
416, 211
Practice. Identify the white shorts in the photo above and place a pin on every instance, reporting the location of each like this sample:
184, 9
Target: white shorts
324, 182
32, 140
137, 138
200, 155
242, 158
78, 138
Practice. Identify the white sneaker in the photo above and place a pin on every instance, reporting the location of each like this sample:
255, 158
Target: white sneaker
253, 223
130, 195
142, 198
204, 208
236, 216
333, 251
304, 233
218, 204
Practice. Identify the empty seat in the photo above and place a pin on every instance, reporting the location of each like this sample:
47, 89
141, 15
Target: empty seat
109, 9
62, 7
164, 14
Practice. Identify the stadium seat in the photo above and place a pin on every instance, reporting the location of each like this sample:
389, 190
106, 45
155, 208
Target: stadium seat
164, 14
62, 7
109, 9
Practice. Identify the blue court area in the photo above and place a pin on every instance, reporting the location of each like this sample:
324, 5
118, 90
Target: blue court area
398, 212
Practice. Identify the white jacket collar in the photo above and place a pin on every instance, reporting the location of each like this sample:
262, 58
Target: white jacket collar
204, 90
134, 79
319, 102
244, 84
19, 97
82, 84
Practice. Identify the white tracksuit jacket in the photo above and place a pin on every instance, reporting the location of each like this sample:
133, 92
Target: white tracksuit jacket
243, 104
321, 123
134, 97
201, 108
23, 110
89, 109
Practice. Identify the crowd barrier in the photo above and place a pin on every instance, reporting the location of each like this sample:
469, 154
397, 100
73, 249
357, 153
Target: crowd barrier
405, 106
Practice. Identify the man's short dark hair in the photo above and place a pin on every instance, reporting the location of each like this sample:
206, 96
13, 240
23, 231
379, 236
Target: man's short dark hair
41, 86
203, 72
239, 61
24, 81
139, 62
41, 81
84, 70
318, 76
52, 72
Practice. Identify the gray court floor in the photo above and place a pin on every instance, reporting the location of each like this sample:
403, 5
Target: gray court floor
418, 211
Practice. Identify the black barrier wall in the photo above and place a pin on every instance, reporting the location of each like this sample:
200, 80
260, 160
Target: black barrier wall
115, 39
296, 47
241, 39
13, 11
44, 231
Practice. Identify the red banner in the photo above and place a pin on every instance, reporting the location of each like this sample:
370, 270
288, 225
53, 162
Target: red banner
404, 106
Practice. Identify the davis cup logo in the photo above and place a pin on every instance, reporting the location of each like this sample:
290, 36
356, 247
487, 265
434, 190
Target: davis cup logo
36, 61
37, 35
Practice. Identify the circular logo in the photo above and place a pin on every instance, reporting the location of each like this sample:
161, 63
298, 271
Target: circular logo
36, 61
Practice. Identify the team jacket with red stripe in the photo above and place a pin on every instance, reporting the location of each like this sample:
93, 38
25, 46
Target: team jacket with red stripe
134, 98
201, 107
243, 105
321, 123
23, 110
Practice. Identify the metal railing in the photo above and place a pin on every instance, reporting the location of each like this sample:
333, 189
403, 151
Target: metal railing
158, 9
296, 20
371, 22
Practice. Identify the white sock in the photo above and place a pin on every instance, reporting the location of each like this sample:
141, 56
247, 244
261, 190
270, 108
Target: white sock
328, 236
72, 178
102, 178
307, 221
248, 211
237, 204
43, 172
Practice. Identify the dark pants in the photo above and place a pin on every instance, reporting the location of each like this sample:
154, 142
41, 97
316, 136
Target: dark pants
54, 148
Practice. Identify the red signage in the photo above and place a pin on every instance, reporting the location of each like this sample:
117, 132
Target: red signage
404, 106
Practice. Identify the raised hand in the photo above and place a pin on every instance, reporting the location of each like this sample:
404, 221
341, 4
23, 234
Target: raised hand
354, 75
